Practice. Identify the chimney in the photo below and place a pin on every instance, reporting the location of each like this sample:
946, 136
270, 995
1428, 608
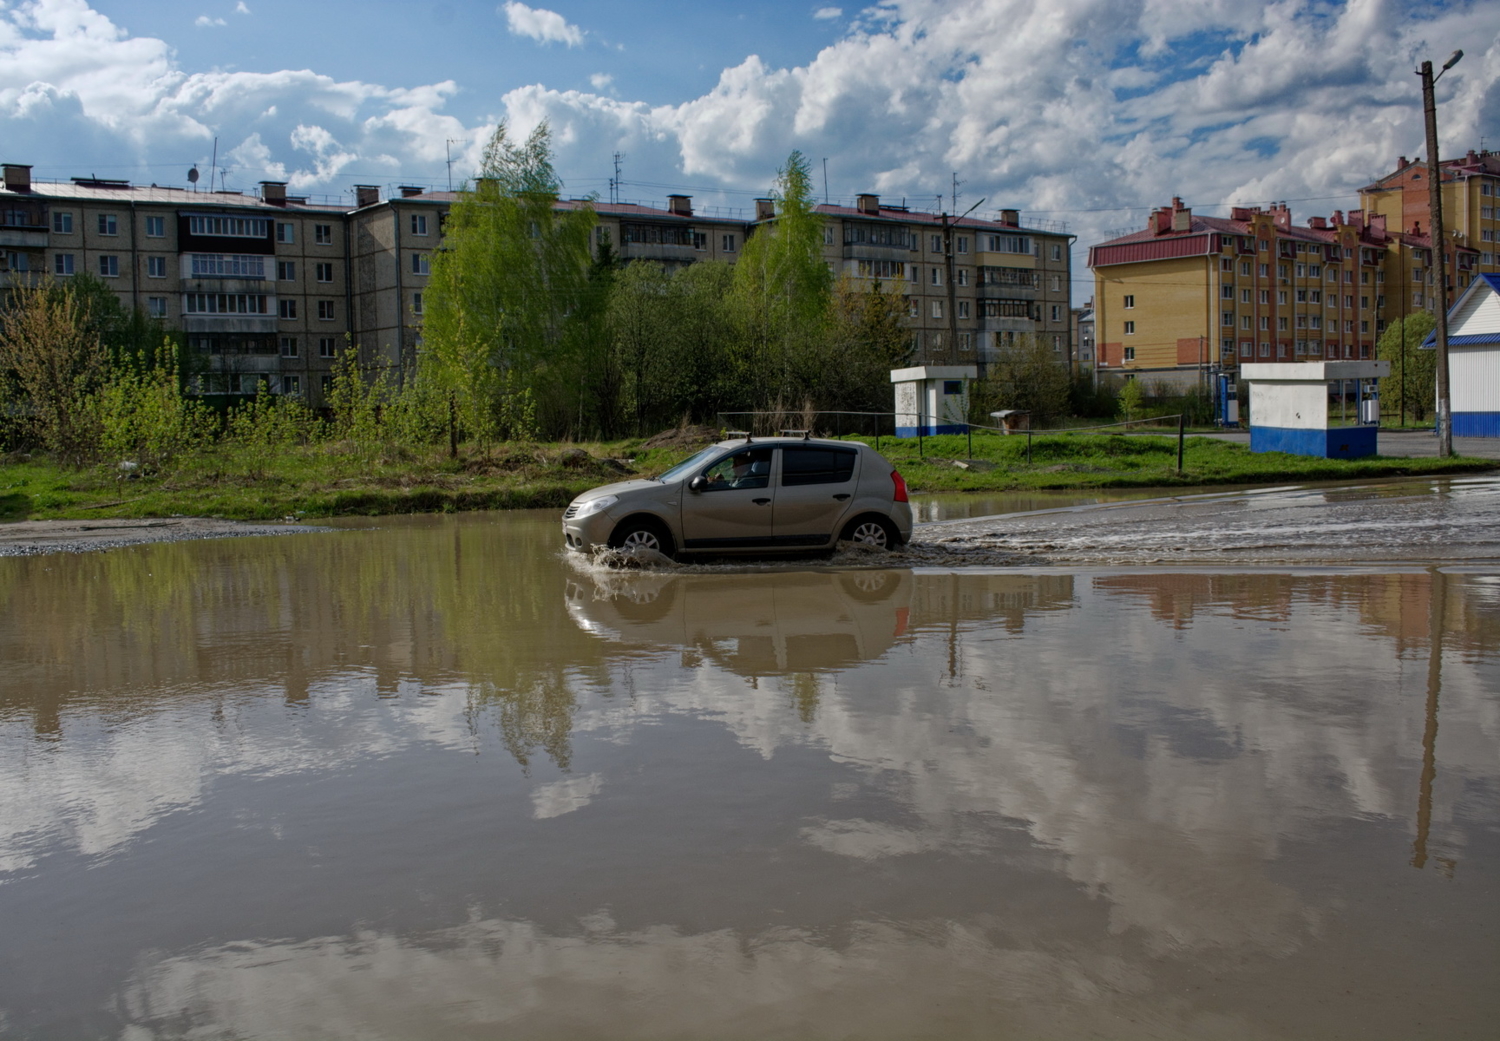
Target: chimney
1338, 218
682, 205
411, 191
1318, 223
1241, 213
1161, 220
765, 209
17, 177
1182, 218
1281, 216
1011, 218
1401, 164
366, 195
1377, 227
868, 203
273, 193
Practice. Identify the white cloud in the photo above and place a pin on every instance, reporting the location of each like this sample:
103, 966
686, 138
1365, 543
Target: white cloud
825, 13
541, 24
203, 21
241, 8
601, 80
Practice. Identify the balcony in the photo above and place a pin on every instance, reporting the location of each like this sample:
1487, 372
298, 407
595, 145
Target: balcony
661, 251
872, 251
1023, 261
22, 237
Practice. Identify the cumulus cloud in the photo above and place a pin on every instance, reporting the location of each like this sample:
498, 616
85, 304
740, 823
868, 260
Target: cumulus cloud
203, 21
241, 8
601, 80
538, 23
826, 13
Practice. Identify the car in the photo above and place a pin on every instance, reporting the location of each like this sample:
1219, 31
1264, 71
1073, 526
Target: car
759, 495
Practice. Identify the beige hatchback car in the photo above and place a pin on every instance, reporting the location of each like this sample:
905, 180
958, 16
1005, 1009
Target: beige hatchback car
775, 494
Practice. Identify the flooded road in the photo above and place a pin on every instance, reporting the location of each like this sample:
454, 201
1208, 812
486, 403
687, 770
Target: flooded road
424, 778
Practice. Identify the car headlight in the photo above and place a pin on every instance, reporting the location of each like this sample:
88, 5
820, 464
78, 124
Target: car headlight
593, 506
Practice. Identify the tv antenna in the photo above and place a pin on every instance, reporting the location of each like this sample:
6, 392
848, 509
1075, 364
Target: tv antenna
825, 180
614, 182
956, 185
212, 164
448, 144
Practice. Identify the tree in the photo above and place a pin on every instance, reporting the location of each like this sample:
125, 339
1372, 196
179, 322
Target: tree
867, 337
1027, 375
1412, 384
53, 357
508, 287
781, 287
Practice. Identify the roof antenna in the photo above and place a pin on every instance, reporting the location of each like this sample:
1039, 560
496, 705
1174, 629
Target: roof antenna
213, 163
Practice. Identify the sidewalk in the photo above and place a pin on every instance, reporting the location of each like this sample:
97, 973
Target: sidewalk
1410, 444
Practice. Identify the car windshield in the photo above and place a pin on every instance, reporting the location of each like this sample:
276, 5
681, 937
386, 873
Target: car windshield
683, 467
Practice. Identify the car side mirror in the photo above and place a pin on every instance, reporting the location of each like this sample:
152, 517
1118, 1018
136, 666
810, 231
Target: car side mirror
697, 484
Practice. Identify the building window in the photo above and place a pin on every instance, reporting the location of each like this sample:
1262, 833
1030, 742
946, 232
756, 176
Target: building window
700, 239
963, 276
1301, 270
288, 346
1281, 296
416, 304
1056, 251
1244, 296
727, 245
827, 235
1129, 328
326, 346
325, 310
285, 233
1247, 349
109, 267
419, 264
1130, 354
963, 243
913, 309
227, 303
108, 225
62, 223
1316, 321
1265, 296
156, 267
286, 270
1056, 312
156, 227
1056, 283
287, 308
937, 276
419, 224
1265, 271
1226, 319
323, 234
1316, 296
1265, 323
156, 306
937, 243
326, 382
229, 227
1226, 292
324, 272
1265, 349
1245, 268
1244, 321
62, 264
965, 342
937, 309
1314, 271
220, 265
1364, 325
1281, 324
1225, 264
291, 384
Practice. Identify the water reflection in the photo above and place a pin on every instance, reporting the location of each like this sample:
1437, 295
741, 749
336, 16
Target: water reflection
429, 779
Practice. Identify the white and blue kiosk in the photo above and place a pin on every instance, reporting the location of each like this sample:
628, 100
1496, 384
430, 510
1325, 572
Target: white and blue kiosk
932, 399
1474, 359
1290, 406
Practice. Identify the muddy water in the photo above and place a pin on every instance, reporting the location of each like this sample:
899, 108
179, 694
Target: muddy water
425, 779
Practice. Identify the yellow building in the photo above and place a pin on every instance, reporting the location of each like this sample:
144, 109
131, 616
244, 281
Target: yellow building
1471, 209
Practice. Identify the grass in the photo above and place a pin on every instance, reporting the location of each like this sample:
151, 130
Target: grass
329, 480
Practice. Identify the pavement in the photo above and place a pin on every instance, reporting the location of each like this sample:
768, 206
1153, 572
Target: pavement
1409, 444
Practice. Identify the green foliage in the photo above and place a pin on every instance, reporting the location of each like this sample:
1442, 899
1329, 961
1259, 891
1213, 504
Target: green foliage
268, 425
1412, 384
1027, 375
1130, 399
508, 288
53, 361
144, 416
1091, 401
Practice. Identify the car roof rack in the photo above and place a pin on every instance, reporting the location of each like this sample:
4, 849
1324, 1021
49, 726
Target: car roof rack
804, 434
731, 434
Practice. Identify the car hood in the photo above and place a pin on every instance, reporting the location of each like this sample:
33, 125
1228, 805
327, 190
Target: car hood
619, 487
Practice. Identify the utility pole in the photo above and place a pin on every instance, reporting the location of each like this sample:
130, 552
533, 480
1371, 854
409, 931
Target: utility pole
1435, 197
448, 144
614, 183
948, 261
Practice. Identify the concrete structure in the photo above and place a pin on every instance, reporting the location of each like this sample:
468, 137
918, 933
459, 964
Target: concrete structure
932, 399
1474, 359
1289, 407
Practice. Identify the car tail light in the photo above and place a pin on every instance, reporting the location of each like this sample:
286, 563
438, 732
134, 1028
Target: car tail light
900, 485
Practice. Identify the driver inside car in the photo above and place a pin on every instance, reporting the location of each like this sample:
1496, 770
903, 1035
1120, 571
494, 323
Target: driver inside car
747, 469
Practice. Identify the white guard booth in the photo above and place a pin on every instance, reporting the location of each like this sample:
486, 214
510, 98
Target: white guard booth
1289, 407
1474, 359
932, 399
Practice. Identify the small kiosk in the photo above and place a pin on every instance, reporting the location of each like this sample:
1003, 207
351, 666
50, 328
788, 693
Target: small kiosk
932, 399
1291, 405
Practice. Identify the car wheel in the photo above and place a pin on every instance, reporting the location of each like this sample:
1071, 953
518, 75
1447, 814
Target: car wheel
872, 531
642, 534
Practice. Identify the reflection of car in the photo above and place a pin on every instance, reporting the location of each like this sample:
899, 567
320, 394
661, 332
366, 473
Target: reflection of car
769, 494
759, 624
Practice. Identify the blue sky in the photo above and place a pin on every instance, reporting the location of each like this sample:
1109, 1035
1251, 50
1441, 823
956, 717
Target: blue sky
1083, 111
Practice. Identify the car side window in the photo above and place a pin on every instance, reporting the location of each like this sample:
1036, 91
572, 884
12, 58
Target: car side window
747, 468
816, 466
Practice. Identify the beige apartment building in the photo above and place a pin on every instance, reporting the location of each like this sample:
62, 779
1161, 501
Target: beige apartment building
1471, 206
270, 289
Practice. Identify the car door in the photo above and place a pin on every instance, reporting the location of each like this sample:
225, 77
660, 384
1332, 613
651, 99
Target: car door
813, 493
732, 506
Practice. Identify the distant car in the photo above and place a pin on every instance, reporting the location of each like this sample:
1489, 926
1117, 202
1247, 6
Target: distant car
774, 494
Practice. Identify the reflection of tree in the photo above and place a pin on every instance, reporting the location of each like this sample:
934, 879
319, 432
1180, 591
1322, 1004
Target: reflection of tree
805, 696
536, 715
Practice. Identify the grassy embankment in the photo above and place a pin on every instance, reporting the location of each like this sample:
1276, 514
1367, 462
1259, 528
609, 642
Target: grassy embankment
325, 480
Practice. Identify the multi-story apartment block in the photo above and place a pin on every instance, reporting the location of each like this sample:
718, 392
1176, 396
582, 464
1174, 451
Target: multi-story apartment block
271, 289
1471, 208
971, 286
1191, 295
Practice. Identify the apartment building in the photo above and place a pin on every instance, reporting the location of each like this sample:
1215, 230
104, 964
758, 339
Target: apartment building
270, 289
971, 286
1471, 208
1189, 295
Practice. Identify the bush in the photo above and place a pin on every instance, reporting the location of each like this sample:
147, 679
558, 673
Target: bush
145, 417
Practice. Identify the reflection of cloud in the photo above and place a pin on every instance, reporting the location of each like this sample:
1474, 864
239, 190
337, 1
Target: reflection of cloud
867, 840
565, 796
491, 976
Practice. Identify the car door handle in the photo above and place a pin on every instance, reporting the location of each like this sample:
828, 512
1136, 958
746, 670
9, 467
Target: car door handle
760, 502
842, 496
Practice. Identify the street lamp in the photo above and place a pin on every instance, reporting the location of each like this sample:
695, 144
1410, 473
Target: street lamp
1435, 203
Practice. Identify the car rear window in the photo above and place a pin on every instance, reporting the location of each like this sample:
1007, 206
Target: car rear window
816, 465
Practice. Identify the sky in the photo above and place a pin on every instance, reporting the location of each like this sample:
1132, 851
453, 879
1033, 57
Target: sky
1078, 112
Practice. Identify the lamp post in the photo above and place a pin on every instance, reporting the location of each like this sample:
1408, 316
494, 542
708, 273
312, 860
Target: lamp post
1435, 197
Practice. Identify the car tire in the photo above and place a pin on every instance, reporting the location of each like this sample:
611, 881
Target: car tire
643, 533
872, 530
